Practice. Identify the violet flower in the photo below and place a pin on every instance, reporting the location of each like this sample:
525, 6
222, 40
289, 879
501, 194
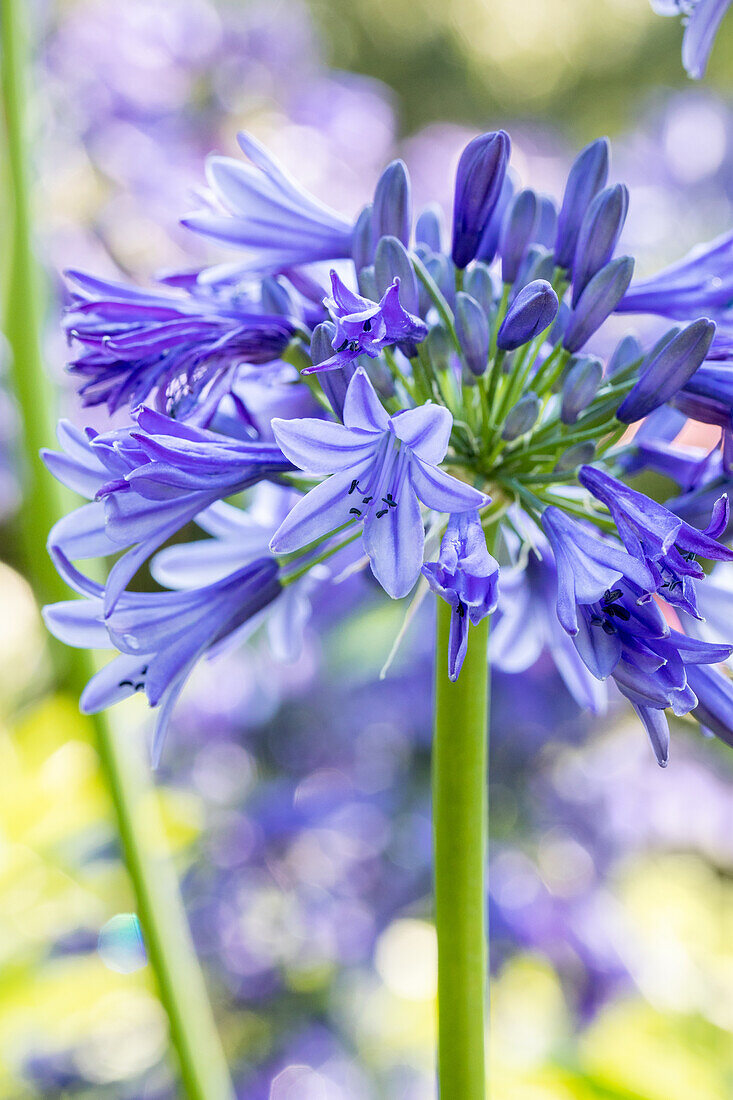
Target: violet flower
381, 467
702, 19
466, 576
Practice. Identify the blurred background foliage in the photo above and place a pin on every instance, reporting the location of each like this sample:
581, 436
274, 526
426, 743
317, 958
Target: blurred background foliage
295, 799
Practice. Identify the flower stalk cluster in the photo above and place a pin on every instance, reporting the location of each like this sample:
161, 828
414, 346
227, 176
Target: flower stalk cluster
386, 387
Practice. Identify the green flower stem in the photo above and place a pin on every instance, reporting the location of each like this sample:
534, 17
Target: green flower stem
203, 1070
460, 797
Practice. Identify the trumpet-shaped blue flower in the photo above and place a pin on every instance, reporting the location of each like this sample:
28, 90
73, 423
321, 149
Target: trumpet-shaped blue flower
466, 576
702, 20
587, 565
364, 327
701, 282
160, 635
136, 342
148, 482
381, 467
665, 543
260, 208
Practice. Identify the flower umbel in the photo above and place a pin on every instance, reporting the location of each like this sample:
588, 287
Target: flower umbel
432, 393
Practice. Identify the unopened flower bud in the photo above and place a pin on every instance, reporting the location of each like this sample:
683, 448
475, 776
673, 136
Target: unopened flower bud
599, 299
391, 262
334, 383
392, 214
367, 281
479, 284
490, 237
627, 351
439, 348
472, 328
441, 271
521, 418
537, 264
517, 233
575, 456
533, 309
599, 234
277, 298
586, 178
546, 225
430, 226
479, 179
668, 371
580, 386
362, 239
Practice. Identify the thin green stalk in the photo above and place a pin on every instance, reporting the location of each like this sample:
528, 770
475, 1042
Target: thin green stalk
460, 797
203, 1070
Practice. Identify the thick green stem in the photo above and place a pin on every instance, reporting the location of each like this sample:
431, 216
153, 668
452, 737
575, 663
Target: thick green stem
203, 1069
460, 786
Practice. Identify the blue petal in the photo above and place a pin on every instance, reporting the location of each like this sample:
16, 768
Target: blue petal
318, 513
394, 542
322, 447
426, 430
362, 407
440, 491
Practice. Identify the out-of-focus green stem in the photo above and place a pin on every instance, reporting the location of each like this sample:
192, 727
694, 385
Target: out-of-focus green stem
203, 1070
460, 800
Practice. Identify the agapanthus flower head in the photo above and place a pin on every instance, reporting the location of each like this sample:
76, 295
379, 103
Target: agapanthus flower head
445, 391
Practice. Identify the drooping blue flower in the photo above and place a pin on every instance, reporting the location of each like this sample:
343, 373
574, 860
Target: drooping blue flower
625, 637
260, 208
136, 342
665, 543
587, 565
479, 181
160, 635
466, 576
147, 482
364, 327
381, 467
702, 19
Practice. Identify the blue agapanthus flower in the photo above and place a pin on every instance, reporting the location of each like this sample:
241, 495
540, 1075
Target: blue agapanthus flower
411, 391
702, 18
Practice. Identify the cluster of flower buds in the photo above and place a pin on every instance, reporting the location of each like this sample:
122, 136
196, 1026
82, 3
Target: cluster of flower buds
419, 401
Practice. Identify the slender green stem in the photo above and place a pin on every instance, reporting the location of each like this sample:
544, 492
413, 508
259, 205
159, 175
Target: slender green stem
203, 1070
460, 843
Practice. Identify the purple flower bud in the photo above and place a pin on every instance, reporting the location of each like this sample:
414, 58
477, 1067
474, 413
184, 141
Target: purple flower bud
599, 299
439, 347
537, 264
392, 213
367, 281
362, 241
392, 262
517, 233
479, 179
480, 285
521, 418
441, 270
580, 386
668, 371
276, 298
587, 176
490, 237
334, 383
533, 309
577, 455
430, 227
628, 350
546, 227
472, 328
599, 234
